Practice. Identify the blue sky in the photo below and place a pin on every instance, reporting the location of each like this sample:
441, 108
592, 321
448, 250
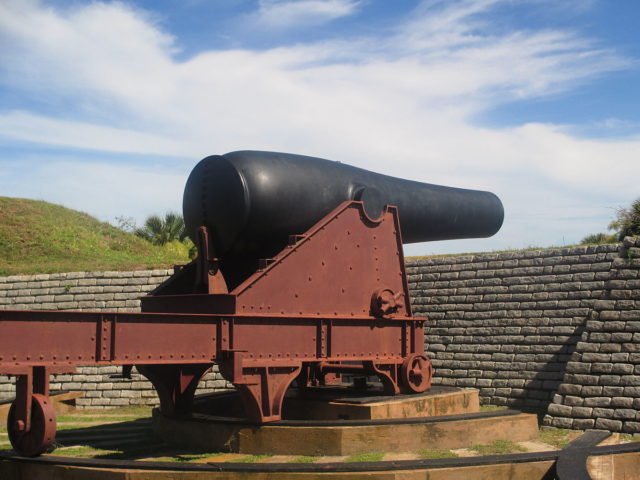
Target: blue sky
106, 106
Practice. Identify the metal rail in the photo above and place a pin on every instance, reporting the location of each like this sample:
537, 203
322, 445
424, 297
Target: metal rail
571, 471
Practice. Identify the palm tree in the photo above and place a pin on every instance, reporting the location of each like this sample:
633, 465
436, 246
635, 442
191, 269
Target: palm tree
628, 222
162, 231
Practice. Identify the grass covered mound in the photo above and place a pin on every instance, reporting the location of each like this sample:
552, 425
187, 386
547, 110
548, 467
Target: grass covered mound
41, 237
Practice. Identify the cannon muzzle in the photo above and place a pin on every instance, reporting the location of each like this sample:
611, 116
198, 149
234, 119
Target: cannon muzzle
252, 201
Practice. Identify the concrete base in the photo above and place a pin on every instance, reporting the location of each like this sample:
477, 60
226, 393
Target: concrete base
346, 423
435, 402
621, 466
335, 403
345, 438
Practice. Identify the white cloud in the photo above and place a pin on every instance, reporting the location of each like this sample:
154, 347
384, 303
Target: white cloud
95, 47
19, 125
401, 104
288, 14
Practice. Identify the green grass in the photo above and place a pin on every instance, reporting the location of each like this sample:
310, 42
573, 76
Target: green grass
429, 454
303, 459
133, 410
252, 458
89, 418
121, 414
92, 417
82, 451
491, 408
627, 437
558, 437
41, 237
61, 428
105, 423
186, 457
499, 447
366, 457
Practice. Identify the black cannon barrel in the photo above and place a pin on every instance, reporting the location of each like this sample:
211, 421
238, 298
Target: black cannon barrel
249, 198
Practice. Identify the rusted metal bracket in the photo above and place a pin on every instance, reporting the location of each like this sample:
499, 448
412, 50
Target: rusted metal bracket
262, 385
209, 278
385, 303
30, 380
105, 338
176, 385
32, 418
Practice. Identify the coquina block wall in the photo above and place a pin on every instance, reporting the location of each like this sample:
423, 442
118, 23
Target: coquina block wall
538, 329
556, 329
507, 323
103, 386
602, 386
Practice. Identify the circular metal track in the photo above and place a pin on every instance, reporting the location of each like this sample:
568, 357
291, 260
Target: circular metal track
416, 373
144, 470
39, 439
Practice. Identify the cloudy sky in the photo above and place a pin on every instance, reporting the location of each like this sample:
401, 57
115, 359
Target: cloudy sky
106, 106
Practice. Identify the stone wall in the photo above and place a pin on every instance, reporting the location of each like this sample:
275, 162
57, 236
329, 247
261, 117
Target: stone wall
104, 386
507, 323
515, 325
602, 386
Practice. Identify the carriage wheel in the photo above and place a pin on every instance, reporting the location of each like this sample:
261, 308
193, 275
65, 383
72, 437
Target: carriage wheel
39, 439
416, 373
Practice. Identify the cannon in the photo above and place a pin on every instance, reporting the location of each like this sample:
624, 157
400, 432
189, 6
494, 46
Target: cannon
299, 277
252, 201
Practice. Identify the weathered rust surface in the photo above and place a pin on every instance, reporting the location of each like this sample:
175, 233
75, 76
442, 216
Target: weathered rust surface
333, 269
337, 293
68, 339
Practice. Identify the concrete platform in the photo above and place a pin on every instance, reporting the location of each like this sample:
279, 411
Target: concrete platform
576, 461
346, 422
346, 437
337, 403
437, 401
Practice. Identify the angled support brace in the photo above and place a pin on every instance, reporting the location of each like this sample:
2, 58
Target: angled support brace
176, 385
262, 386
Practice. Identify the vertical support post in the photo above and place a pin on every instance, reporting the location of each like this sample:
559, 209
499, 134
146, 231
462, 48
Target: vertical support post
417, 328
209, 278
105, 337
406, 338
24, 397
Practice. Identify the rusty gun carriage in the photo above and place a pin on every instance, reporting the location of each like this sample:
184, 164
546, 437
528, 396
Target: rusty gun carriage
299, 276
